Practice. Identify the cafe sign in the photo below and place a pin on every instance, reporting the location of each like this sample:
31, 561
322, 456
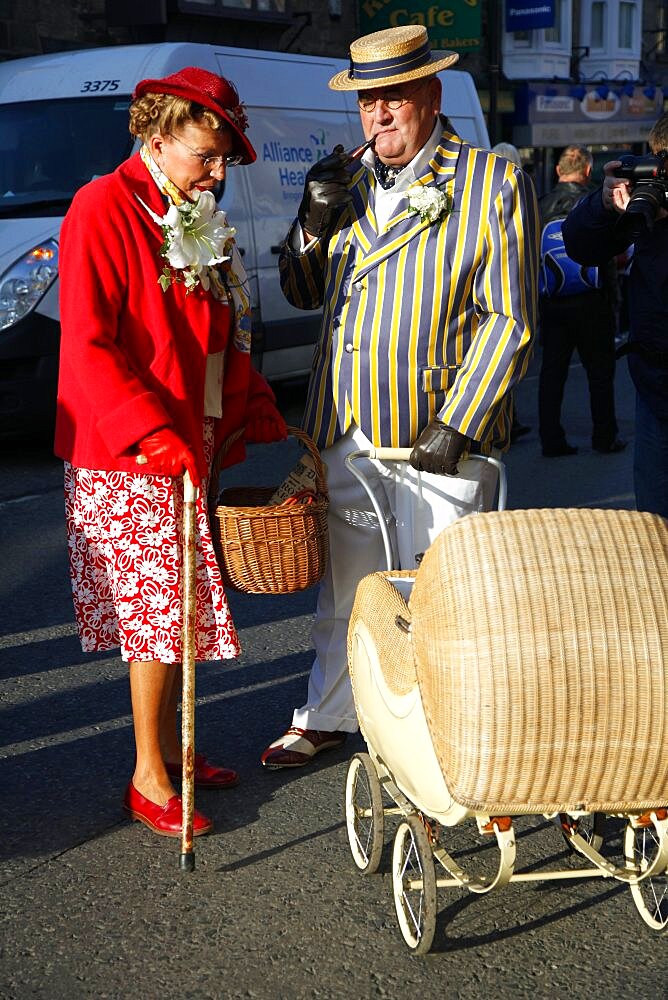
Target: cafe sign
454, 24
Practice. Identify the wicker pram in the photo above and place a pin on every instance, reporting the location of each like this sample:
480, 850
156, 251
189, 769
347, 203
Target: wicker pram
527, 672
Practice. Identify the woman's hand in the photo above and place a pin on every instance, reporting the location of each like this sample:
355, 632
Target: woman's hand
265, 424
165, 454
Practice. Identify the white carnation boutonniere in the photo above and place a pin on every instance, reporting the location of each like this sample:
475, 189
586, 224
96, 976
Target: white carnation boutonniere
196, 238
430, 203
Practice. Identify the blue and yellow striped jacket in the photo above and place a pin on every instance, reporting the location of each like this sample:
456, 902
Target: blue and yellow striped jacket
423, 319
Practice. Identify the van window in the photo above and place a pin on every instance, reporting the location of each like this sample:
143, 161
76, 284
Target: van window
49, 149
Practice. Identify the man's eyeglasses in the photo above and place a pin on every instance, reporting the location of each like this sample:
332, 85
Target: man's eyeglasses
210, 161
392, 99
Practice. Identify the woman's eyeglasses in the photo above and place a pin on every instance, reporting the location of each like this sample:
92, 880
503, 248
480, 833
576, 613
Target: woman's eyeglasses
392, 99
210, 161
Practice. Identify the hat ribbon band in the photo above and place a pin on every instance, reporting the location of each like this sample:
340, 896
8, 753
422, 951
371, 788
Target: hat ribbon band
390, 67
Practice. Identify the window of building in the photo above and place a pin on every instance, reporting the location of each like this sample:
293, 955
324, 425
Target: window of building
597, 25
626, 23
521, 39
540, 53
611, 31
660, 47
661, 25
555, 34
217, 8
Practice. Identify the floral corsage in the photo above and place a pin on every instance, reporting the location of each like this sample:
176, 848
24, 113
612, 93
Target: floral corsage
430, 203
196, 238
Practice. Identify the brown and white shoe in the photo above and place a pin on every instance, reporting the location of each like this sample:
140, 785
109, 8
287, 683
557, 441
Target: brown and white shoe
298, 746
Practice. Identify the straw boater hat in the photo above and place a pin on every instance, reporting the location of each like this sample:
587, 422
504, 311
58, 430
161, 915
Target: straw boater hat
391, 56
211, 91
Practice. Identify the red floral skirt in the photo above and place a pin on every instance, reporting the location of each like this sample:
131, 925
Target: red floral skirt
124, 542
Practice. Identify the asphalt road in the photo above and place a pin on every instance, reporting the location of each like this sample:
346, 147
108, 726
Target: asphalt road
93, 906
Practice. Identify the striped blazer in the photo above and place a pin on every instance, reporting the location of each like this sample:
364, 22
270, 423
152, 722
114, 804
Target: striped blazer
423, 319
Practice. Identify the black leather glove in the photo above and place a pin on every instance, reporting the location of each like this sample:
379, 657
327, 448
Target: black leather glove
438, 449
326, 192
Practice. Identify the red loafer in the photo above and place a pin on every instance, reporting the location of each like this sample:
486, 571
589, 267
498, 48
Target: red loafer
298, 746
207, 775
164, 820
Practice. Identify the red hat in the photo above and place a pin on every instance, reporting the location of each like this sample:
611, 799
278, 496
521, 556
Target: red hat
210, 90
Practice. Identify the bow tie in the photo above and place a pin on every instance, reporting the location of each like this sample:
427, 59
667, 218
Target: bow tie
385, 174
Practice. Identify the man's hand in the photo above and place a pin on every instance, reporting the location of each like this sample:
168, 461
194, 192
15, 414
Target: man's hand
167, 455
438, 449
326, 192
616, 190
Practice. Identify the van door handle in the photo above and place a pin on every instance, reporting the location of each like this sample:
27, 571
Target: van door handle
276, 248
242, 251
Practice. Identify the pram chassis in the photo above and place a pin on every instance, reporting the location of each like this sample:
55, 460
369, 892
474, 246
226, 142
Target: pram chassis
417, 850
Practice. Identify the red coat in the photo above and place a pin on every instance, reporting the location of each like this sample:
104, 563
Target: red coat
133, 357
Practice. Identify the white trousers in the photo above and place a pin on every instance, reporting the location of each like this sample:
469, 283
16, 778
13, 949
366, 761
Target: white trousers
417, 507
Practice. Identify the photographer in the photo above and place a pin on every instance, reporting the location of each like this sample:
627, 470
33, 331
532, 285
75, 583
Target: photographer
630, 209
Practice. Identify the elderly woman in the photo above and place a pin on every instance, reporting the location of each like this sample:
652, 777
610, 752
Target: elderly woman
154, 374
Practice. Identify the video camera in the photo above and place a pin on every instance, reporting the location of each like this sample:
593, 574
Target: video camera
649, 177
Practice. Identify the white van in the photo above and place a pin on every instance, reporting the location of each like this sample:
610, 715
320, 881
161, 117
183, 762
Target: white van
64, 120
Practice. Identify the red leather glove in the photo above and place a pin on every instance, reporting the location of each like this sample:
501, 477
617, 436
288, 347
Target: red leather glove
265, 424
168, 456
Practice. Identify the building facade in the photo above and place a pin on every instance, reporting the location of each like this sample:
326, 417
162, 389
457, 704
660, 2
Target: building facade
319, 27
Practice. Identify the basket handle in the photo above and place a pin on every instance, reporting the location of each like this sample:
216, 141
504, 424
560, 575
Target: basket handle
308, 442
310, 445
217, 464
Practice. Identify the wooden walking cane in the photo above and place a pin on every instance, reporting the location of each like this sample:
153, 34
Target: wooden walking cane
188, 585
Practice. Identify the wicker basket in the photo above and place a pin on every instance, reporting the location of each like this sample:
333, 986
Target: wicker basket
276, 549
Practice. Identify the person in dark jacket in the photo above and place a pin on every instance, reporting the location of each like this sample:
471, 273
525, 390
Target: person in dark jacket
594, 233
585, 322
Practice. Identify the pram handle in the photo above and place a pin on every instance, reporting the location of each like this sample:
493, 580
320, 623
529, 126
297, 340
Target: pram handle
389, 454
403, 455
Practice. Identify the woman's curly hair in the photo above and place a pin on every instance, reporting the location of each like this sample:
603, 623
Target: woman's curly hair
163, 113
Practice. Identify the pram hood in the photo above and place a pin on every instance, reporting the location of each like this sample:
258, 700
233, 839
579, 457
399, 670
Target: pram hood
540, 647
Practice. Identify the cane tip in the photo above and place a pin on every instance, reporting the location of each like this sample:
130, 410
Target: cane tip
187, 862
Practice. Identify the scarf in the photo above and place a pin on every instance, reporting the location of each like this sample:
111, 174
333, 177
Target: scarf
386, 175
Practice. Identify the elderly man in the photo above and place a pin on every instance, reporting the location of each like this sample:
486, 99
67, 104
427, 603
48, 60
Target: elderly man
424, 256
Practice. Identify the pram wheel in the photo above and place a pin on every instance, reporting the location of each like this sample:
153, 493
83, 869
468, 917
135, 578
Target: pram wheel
590, 827
650, 895
414, 885
364, 813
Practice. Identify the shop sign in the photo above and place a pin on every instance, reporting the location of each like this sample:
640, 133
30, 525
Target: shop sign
454, 24
588, 113
525, 15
